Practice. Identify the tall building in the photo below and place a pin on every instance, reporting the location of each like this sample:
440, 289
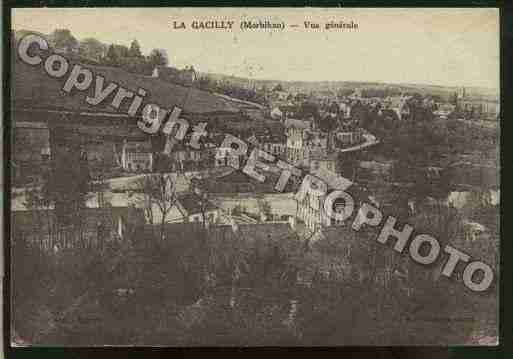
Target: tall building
297, 132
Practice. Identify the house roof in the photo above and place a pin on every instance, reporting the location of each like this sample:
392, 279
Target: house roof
33, 87
191, 202
235, 176
135, 183
332, 179
390, 113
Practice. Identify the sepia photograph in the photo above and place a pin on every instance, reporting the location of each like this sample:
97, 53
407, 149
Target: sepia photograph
249, 177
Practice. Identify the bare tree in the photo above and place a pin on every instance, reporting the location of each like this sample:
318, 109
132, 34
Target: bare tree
265, 209
203, 200
158, 189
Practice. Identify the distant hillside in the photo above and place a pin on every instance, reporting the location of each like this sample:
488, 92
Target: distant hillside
320, 86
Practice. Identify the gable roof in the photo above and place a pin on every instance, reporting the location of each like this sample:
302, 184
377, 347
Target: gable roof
332, 179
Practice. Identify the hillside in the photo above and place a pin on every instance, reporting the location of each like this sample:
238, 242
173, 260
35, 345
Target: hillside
33, 86
320, 86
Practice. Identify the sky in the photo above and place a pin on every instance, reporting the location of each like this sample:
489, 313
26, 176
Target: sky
446, 46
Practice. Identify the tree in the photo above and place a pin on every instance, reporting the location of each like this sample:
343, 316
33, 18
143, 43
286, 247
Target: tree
112, 57
326, 124
454, 99
265, 209
122, 51
92, 48
137, 65
238, 210
278, 87
360, 114
67, 184
63, 39
309, 109
334, 108
202, 196
419, 112
158, 57
135, 49
159, 190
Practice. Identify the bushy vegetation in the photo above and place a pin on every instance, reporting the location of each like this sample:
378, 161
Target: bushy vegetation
93, 51
209, 290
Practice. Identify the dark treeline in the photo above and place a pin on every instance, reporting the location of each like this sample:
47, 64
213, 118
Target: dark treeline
201, 287
93, 51
131, 59
203, 290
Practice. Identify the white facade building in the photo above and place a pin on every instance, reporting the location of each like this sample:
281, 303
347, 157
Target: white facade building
137, 157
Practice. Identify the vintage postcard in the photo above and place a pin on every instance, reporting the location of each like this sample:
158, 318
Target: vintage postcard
254, 176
